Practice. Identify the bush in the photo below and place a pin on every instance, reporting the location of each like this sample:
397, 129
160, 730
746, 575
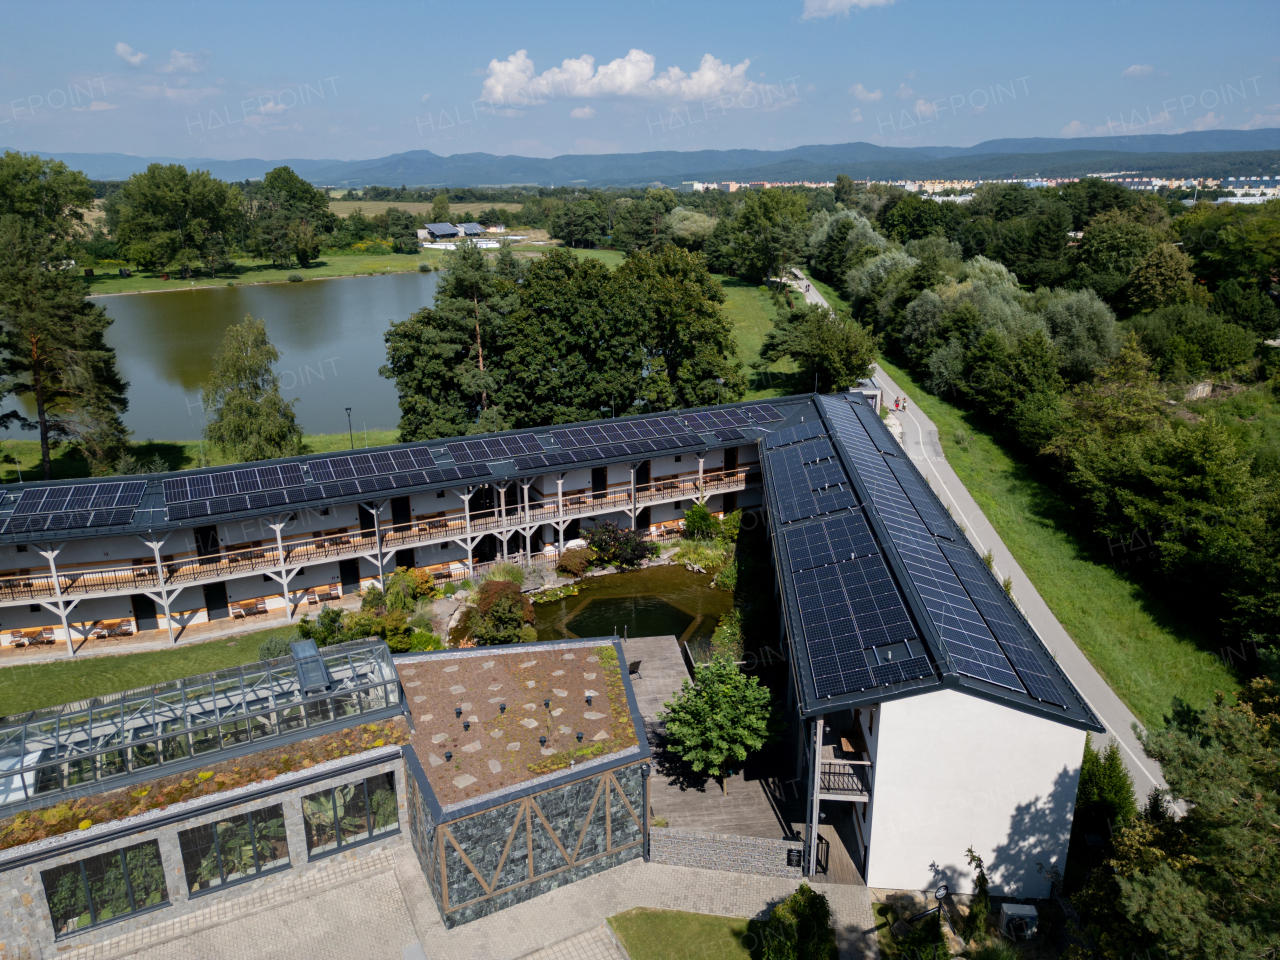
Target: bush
700, 523
509, 572
424, 640
273, 648
295, 278
997, 950
575, 562
799, 928
976, 922
617, 546
372, 600
925, 940
730, 525
424, 267
502, 614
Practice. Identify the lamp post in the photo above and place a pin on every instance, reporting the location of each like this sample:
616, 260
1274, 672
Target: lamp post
719, 390
350, 434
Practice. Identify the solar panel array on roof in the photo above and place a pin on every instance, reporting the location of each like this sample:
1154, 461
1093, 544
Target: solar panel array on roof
926, 504
324, 491
801, 431
964, 633
76, 506
494, 448
602, 434
370, 464
709, 420
1011, 633
762, 413
607, 451
807, 480
203, 486
730, 434
843, 537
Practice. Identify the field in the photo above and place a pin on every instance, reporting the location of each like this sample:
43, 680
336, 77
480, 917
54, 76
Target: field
457, 211
178, 454
753, 315
26, 687
674, 935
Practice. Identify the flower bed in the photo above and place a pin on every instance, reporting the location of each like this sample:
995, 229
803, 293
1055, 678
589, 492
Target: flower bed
85, 812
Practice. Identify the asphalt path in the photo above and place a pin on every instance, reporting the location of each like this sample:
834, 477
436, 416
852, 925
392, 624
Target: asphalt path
920, 440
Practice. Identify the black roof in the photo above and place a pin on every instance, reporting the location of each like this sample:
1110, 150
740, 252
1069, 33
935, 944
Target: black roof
105, 506
883, 595
443, 229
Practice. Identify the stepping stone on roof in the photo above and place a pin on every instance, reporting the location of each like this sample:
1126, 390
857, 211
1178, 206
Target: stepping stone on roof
590, 693
558, 673
465, 780
569, 656
495, 766
414, 683
473, 718
528, 663
557, 711
531, 684
458, 688
588, 676
495, 686
529, 723
439, 738
409, 673
464, 705
434, 760
594, 715
513, 746
426, 716
472, 747
452, 669
560, 693
496, 733
593, 659
418, 699
602, 735
495, 699
546, 751
487, 665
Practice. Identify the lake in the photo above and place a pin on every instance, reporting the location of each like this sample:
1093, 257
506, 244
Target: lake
329, 334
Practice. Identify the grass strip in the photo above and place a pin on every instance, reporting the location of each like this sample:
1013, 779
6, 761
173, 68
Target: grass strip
675, 935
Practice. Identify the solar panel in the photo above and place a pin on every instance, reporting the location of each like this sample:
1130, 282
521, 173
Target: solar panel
931, 511
762, 413
68, 520
730, 434
816, 450
494, 448
709, 420
796, 434
876, 429
79, 499
229, 483
365, 465
1023, 650
839, 538
597, 434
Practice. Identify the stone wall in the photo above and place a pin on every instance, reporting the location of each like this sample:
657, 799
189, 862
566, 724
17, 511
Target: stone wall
711, 851
26, 926
515, 851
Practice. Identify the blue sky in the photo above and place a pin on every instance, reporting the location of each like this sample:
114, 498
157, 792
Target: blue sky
352, 81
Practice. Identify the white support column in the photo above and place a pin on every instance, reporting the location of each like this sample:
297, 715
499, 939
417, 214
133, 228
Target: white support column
466, 509
49, 555
633, 496
283, 576
155, 546
377, 534
702, 492
528, 542
502, 512
815, 786
62, 608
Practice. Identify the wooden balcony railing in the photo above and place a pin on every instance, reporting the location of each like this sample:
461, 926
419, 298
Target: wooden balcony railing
139, 576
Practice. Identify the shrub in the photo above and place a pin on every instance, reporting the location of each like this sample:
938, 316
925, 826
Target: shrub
502, 614
925, 940
975, 924
509, 572
372, 600
730, 525
727, 639
700, 523
997, 950
423, 640
799, 928
424, 267
617, 546
575, 562
273, 647
295, 278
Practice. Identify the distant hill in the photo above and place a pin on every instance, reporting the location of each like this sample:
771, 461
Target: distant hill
1200, 153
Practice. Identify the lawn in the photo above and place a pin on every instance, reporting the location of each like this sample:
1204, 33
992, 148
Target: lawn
1146, 655
107, 281
673, 935
457, 211
610, 258
178, 454
30, 686
753, 315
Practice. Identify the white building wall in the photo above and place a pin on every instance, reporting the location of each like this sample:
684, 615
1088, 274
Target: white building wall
954, 771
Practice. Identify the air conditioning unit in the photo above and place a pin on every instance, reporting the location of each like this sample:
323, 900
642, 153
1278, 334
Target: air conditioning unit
1018, 921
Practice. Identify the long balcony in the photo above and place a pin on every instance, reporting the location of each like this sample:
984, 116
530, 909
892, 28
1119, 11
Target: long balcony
845, 780
142, 575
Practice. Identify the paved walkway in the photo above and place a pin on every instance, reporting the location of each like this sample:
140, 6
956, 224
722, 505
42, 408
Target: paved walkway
597, 944
380, 908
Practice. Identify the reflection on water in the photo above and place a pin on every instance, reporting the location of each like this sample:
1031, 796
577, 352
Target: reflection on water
643, 603
329, 334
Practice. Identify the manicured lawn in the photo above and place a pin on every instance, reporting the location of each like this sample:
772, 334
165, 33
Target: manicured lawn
1138, 645
262, 271
31, 686
178, 454
753, 316
674, 935
610, 258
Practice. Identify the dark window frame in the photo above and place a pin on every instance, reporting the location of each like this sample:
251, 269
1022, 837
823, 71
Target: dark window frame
258, 870
369, 836
134, 910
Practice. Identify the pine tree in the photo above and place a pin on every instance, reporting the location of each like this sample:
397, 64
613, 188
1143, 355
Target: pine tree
249, 418
1104, 796
53, 350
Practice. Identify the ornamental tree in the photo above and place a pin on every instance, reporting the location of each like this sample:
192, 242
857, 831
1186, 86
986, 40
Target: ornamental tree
718, 719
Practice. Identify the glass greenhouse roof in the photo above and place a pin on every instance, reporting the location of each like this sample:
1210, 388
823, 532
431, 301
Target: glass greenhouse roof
162, 729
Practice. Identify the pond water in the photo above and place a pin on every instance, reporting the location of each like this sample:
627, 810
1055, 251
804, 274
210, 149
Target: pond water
642, 603
328, 332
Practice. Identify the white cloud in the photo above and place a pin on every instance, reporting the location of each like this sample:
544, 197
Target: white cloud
925, 109
856, 115
1073, 129
103, 105
1269, 119
865, 95
1137, 70
129, 55
816, 9
426, 97
1209, 121
582, 113
180, 62
271, 107
515, 79
903, 91
188, 96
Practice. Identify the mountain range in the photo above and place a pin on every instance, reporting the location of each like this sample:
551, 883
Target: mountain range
1199, 153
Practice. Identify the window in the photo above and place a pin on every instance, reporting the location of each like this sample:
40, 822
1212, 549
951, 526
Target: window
350, 814
235, 849
439, 494
105, 888
33, 607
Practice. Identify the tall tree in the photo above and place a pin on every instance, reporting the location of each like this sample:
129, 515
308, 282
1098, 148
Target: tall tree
832, 352
769, 233
440, 208
46, 193
166, 210
249, 419
53, 351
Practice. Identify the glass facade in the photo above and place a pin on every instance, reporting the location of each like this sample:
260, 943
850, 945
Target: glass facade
104, 888
63, 748
350, 814
237, 848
